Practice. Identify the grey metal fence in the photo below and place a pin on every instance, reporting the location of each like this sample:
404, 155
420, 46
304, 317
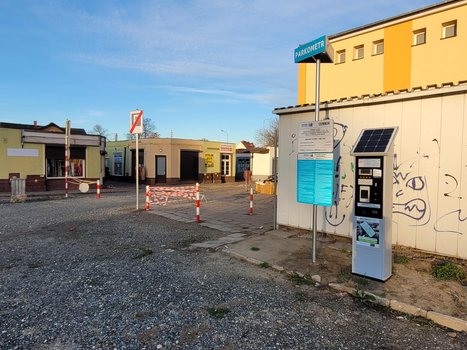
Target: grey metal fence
18, 189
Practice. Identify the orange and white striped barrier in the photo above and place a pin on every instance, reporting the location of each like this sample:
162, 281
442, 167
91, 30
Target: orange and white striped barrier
197, 203
147, 198
163, 195
98, 186
251, 200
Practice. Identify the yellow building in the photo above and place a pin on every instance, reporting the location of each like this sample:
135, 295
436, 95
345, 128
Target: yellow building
413, 50
172, 160
37, 154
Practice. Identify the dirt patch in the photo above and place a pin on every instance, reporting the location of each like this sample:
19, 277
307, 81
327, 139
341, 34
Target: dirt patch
410, 283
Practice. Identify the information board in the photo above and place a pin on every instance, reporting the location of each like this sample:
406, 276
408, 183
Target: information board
315, 175
317, 136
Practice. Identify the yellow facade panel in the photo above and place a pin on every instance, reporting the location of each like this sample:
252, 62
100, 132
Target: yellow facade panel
93, 160
440, 60
31, 165
397, 56
354, 77
302, 83
401, 64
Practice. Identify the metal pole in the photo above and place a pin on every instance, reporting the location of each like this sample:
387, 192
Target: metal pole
67, 155
275, 179
100, 161
137, 171
315, 207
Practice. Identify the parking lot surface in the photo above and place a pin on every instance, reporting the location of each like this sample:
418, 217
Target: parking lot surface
82, 274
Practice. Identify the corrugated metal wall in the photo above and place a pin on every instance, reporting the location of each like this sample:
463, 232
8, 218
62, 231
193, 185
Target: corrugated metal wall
429, 175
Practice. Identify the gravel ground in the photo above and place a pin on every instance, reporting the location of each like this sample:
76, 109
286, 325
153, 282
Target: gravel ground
87, 274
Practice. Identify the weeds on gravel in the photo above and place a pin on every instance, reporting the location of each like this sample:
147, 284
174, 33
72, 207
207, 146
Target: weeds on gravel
301, 296
344, 275
264, 265
362, 296
218, 312
255, 249
361, 281
400, 259
446, 270
298, 279
144, 252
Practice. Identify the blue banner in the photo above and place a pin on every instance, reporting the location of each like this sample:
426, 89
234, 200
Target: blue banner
315, 176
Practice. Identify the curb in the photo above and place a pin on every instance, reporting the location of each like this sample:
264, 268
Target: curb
447, 321
451, 322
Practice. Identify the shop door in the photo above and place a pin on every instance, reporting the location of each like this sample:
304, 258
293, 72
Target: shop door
189, 165
161, 169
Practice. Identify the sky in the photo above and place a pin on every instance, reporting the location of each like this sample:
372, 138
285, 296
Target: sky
210, 69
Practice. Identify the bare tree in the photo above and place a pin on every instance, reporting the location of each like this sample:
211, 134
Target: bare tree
265, 136
149, 130
99, 130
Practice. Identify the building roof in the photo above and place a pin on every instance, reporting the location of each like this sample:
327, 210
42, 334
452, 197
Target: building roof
394, 18
247, 145
51, 127
416, 92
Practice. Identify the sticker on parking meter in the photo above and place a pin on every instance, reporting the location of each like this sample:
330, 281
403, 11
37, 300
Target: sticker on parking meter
368, 231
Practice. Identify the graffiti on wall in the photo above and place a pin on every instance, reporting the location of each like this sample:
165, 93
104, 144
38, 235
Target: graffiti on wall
410, 190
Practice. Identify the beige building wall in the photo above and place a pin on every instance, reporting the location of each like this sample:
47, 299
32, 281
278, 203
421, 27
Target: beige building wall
171, 148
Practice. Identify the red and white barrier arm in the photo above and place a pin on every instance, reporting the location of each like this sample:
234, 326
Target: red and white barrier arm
251, 200
147, 198
98, 186
197, 203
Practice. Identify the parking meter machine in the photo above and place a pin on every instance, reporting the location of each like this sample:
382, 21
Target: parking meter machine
372, 236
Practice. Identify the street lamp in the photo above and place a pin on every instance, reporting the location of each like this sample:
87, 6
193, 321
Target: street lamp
227, 134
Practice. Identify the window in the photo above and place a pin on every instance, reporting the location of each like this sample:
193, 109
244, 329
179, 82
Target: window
225, 164
378, 47
449, 29
419, 37
358, 52
340, 56
118, 164
55, 161
56, 168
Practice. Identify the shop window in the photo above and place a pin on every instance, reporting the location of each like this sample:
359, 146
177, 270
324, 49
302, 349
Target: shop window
55, 161
56, 168
118, 164
449, 29
378, 47
340, 56
358, 52
419, 37
225, 164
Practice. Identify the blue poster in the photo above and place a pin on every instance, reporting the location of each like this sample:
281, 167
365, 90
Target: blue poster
315, 175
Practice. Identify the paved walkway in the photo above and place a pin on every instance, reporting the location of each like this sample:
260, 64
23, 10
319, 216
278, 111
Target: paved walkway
226, 209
